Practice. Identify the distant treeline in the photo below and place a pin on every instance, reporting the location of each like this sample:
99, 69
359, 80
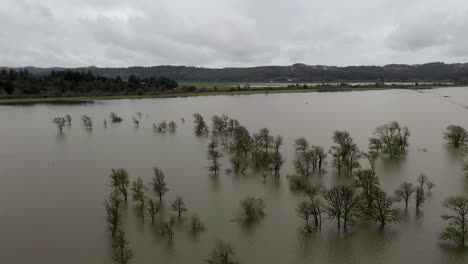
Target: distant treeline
296, 73
22, 83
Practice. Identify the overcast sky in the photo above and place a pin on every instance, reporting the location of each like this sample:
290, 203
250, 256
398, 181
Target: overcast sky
220, 33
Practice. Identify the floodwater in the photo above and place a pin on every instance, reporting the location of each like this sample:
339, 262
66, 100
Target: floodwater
52, 186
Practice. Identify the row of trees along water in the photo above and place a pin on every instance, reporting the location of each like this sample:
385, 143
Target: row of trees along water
260, 153
71, 82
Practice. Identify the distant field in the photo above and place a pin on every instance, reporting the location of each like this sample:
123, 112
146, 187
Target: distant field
211, 85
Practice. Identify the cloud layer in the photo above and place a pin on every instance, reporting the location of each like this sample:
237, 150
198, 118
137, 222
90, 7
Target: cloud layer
214, 33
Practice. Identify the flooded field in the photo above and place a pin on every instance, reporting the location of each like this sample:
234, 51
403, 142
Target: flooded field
53, 186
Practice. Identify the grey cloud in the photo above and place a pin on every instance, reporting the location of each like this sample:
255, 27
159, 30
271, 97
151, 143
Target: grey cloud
217, 33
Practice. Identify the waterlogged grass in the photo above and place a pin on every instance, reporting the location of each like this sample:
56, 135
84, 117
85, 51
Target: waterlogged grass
115, 97
190, 94
212, 85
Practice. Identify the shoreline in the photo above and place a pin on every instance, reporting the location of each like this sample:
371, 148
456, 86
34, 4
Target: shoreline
32, 100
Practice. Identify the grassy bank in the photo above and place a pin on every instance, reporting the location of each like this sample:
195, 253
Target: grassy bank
174, 95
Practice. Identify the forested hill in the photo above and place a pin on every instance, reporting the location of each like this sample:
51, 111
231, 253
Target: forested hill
295, 73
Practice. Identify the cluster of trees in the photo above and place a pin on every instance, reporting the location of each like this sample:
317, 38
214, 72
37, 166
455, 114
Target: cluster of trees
71, 82
296, 72
345, 204
164, 127
122, 189
60, 122
364, 199
260, 151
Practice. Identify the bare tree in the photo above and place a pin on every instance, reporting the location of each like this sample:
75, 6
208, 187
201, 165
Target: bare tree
153, 208
159, 184
196, 224
113, 215
394, 139
301, 144
172, 126
457, 230
371, 156
422, 179
382, 210
305, 211
430, 185
341, 204
456, 135
320, 156
115, 118
419, 198
121, 252
167, 228
375, 145
68, 119
136, 122
214, 155
369, 182
404, 192
178, 206
87, 122
252, 208
266, 139
120, 181
200, 126
138, 195
223, 253
277, 162
59, 123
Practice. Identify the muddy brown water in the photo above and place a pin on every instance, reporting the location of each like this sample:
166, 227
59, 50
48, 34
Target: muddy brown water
52, 186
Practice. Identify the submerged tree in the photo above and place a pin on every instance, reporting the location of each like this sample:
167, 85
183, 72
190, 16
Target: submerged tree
456, 135
179, 206
419, 198
196, 225
153, 208
113, 215
252, 208
457, 230
214, 155
120, 181
138, 195
375, 145
382, 210
115, 118
223, 253
319, 157
87, 122
172, 126
345, 153
136, 122
430, 185
369, 182
276, 162
121, 252
404, 192
371, 156
341, 204
394, 139
266, 139
159, 184
68, 119
167, 228
59, 122
422, 179
200, 126
305, 211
